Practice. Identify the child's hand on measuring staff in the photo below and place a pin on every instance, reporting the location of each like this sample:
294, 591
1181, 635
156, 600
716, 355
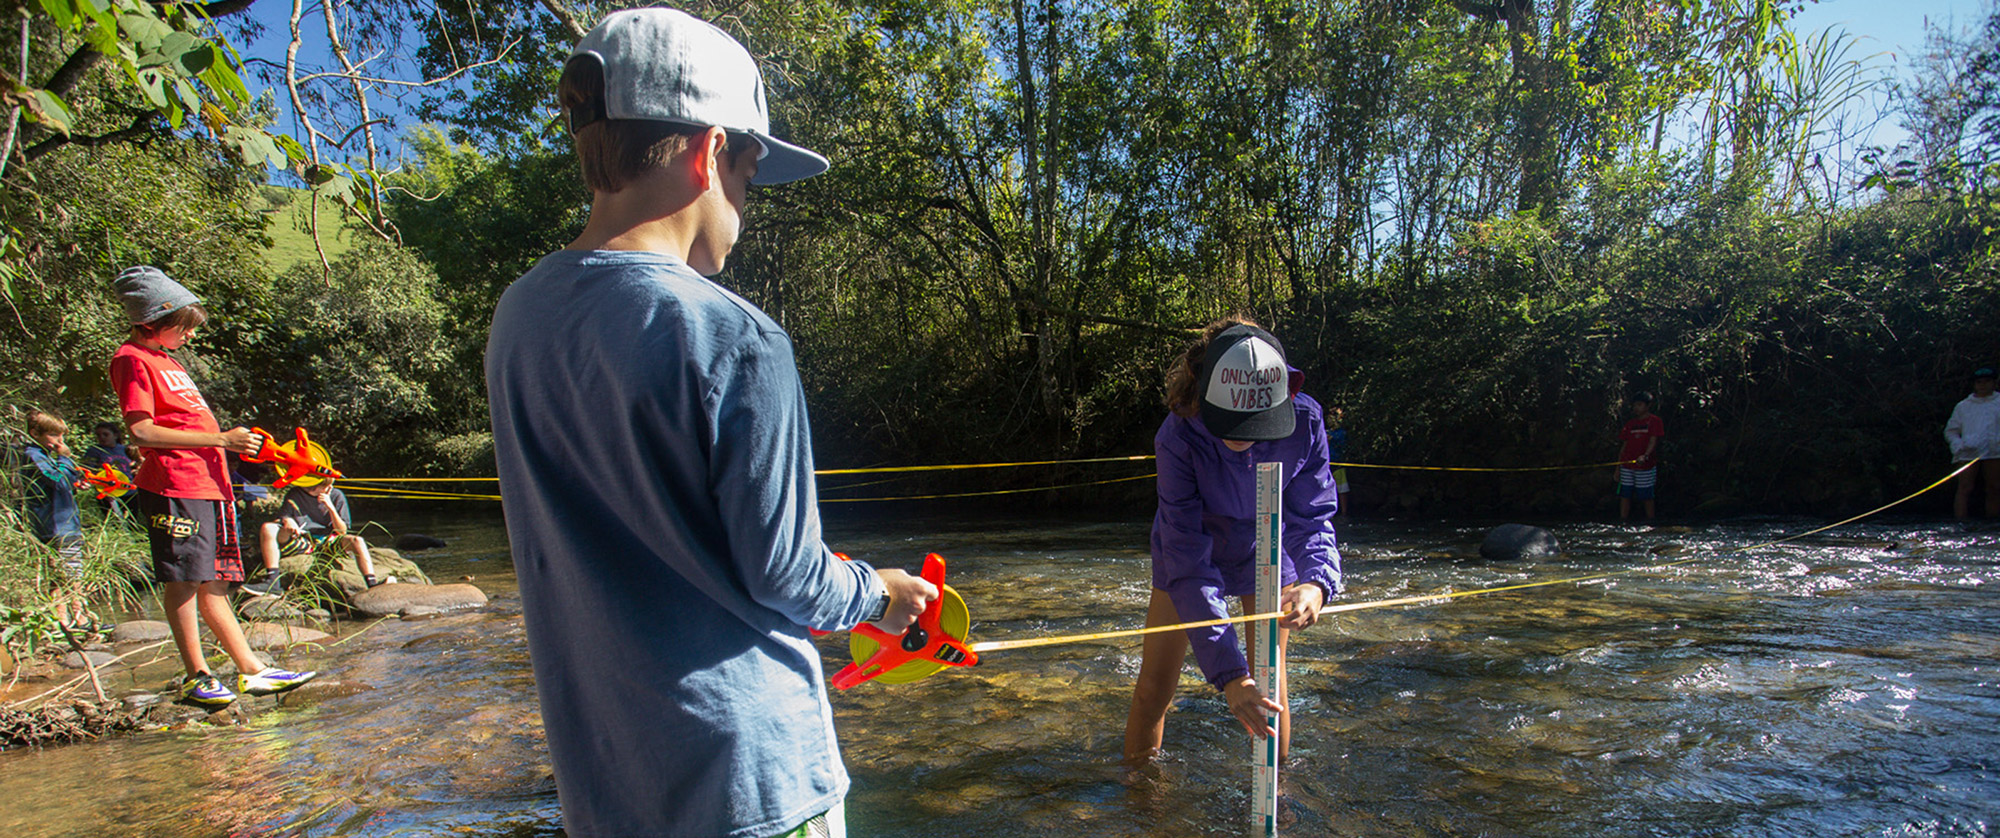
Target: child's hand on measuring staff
1301, 603
1249, 704
908, 597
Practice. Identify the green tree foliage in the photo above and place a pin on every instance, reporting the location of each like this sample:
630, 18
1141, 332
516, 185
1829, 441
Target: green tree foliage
479, 222
172, 204
357, 355
1478, 225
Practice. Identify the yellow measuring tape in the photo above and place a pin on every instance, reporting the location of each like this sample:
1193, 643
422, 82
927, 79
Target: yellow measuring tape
963, 466
1427, 599
414, 494
890, 469
1469, 468
1146, 476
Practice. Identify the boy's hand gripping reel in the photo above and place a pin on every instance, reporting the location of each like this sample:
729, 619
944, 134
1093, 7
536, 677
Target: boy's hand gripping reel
935, 641
303, 459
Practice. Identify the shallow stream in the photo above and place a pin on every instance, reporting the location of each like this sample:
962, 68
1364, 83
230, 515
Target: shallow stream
1844, 684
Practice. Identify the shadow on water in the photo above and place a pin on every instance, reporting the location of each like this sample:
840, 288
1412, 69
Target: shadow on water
1840, 685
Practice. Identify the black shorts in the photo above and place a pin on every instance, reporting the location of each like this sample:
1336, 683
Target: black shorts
193, 540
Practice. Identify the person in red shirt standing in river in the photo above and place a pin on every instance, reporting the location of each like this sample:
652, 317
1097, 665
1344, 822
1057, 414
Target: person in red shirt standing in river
1639, 456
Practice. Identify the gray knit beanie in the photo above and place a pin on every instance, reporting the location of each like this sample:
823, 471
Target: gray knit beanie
150, 294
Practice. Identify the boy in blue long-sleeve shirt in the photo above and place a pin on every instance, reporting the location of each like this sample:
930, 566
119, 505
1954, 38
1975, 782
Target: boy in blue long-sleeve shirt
50, 475
656, 467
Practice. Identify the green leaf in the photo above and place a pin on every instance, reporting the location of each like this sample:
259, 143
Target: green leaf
98, 12
244, 141
273, 155
102, 38
153, 83
222, 79
189, 99
338, 187
147, 32
62, 11
198, 58
293, 151
175, 43
53, 111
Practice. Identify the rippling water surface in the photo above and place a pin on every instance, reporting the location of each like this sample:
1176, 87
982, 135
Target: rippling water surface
1843, 684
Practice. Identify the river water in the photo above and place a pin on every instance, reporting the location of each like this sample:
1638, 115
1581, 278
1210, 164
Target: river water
1843, 684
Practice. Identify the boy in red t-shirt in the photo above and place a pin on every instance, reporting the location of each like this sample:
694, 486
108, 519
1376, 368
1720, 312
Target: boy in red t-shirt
182, 487
1639, 456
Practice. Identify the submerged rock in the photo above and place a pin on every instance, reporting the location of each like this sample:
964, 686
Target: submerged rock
278, 636
1511, 542
418, 541
393, 598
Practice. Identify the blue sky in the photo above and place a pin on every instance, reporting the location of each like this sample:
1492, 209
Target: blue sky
1888, 32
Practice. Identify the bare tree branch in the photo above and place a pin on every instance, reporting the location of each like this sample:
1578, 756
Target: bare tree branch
568, 17
143, 127
72, 70
1126, 322
355, 77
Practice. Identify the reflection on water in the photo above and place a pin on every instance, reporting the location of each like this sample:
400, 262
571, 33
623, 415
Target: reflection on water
1835, 686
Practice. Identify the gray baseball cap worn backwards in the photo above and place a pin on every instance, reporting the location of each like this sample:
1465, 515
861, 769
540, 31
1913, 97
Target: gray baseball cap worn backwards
668, 66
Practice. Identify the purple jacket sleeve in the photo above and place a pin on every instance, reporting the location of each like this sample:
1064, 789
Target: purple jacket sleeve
1310, 501
1182, 562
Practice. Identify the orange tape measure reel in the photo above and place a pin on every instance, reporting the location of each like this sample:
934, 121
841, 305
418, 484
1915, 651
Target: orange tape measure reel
935, 641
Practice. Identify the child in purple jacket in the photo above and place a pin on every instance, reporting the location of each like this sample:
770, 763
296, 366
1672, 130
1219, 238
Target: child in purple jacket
1235, 403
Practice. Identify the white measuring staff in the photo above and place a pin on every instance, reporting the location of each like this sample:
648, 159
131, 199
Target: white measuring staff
1264, 668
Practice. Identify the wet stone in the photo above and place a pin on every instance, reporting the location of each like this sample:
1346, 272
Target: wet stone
323, 689
141, 631
277, 636
393, 598
1512, 542
418, 541
74, 660
271, 609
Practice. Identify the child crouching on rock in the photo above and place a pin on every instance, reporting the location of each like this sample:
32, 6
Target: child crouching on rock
313, 512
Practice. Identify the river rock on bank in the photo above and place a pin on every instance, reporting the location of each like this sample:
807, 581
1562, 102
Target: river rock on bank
141, 631
280, 636
96, 658
1513, 542
347, 576
271, 609
393, 598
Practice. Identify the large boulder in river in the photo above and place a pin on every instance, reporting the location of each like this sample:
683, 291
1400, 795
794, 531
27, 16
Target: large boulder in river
1511, 542
393, 598
347, 576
